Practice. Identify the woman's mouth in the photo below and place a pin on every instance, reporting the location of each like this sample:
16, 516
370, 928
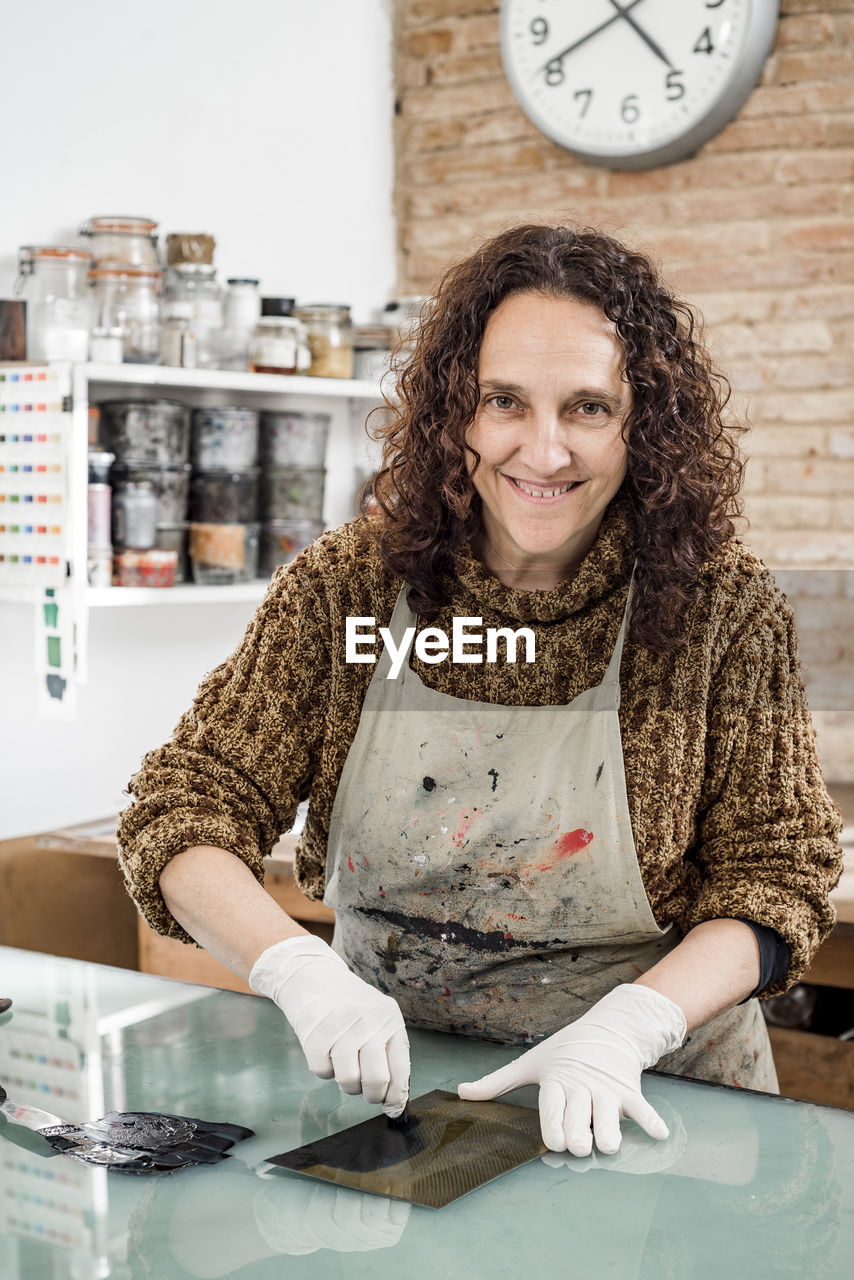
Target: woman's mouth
542, 492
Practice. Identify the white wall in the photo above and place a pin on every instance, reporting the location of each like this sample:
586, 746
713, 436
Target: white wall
265, 122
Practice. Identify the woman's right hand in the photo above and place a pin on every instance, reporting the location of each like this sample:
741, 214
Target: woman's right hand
347, 1029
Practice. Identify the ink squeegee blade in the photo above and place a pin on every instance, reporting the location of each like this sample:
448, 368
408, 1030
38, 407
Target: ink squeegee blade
446, 1148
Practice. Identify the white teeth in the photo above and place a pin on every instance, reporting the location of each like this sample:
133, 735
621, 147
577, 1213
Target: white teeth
545, 493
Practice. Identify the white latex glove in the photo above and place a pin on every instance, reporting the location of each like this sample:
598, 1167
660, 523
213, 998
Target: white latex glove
347, 1029
590, 1072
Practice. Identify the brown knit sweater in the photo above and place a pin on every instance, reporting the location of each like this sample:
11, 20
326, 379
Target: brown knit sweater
728, 807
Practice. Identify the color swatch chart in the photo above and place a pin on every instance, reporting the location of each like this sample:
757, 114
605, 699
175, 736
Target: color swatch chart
35, 439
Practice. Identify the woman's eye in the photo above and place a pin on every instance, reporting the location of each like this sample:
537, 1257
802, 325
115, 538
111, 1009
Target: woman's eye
502, 402
590, 409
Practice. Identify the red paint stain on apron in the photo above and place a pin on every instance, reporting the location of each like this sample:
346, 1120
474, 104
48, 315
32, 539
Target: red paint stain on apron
350, 861
566, 846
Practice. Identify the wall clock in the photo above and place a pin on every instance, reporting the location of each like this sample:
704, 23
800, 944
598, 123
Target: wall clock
633, 84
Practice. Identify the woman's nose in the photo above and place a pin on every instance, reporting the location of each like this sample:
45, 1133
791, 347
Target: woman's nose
547, 446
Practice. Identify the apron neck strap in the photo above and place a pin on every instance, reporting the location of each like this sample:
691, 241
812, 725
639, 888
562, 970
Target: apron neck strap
612, 675
403, 617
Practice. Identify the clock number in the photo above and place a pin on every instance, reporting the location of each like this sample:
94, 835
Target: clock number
675, 88
629, 108
704, 44
554, 72
586, 94
539, 30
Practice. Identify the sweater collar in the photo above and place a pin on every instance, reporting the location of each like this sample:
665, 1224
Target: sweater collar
608, 564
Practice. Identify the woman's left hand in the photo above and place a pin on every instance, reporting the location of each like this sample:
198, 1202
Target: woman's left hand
589, 1073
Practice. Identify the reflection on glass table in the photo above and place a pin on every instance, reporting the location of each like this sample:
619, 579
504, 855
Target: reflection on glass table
747, 1185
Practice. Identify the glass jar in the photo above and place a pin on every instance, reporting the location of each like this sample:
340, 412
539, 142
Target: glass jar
196, 283
279, 345
241, 309
178, 336
118, 240
404, 316
128, 298
52, 281
372, 352
330, 339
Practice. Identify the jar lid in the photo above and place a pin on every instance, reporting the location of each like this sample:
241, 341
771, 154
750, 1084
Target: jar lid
277, 306
120, 273
53, 252
243, 280
123, 224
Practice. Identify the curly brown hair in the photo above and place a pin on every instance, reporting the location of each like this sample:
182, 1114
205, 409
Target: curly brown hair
684, 469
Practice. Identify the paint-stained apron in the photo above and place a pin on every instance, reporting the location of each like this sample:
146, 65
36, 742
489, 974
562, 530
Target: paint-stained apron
482, 868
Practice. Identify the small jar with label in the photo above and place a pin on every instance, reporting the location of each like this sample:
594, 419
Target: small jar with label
330, 339
278, 345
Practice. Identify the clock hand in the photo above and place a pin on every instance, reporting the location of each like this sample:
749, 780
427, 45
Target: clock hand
559, 57
647, 39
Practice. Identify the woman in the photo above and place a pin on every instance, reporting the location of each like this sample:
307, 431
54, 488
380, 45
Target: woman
602, 852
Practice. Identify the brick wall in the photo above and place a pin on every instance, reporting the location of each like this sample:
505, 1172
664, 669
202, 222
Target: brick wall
757, 230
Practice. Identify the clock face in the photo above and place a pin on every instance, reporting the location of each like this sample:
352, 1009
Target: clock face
634, 83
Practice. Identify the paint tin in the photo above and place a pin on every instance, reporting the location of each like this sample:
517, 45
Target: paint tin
222, 554
292, 493
282, 541
294, 439
224, 496
146, 430
224, 438
151, 568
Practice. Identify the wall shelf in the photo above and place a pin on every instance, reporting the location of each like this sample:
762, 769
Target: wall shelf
182, 594
347, 401
159, 375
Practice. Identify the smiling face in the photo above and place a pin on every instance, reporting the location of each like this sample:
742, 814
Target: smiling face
548, 426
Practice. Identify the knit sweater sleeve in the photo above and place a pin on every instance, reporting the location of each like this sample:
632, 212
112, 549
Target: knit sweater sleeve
242, 757
768, 832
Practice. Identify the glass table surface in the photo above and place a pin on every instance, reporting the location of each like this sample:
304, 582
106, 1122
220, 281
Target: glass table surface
747, 1185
